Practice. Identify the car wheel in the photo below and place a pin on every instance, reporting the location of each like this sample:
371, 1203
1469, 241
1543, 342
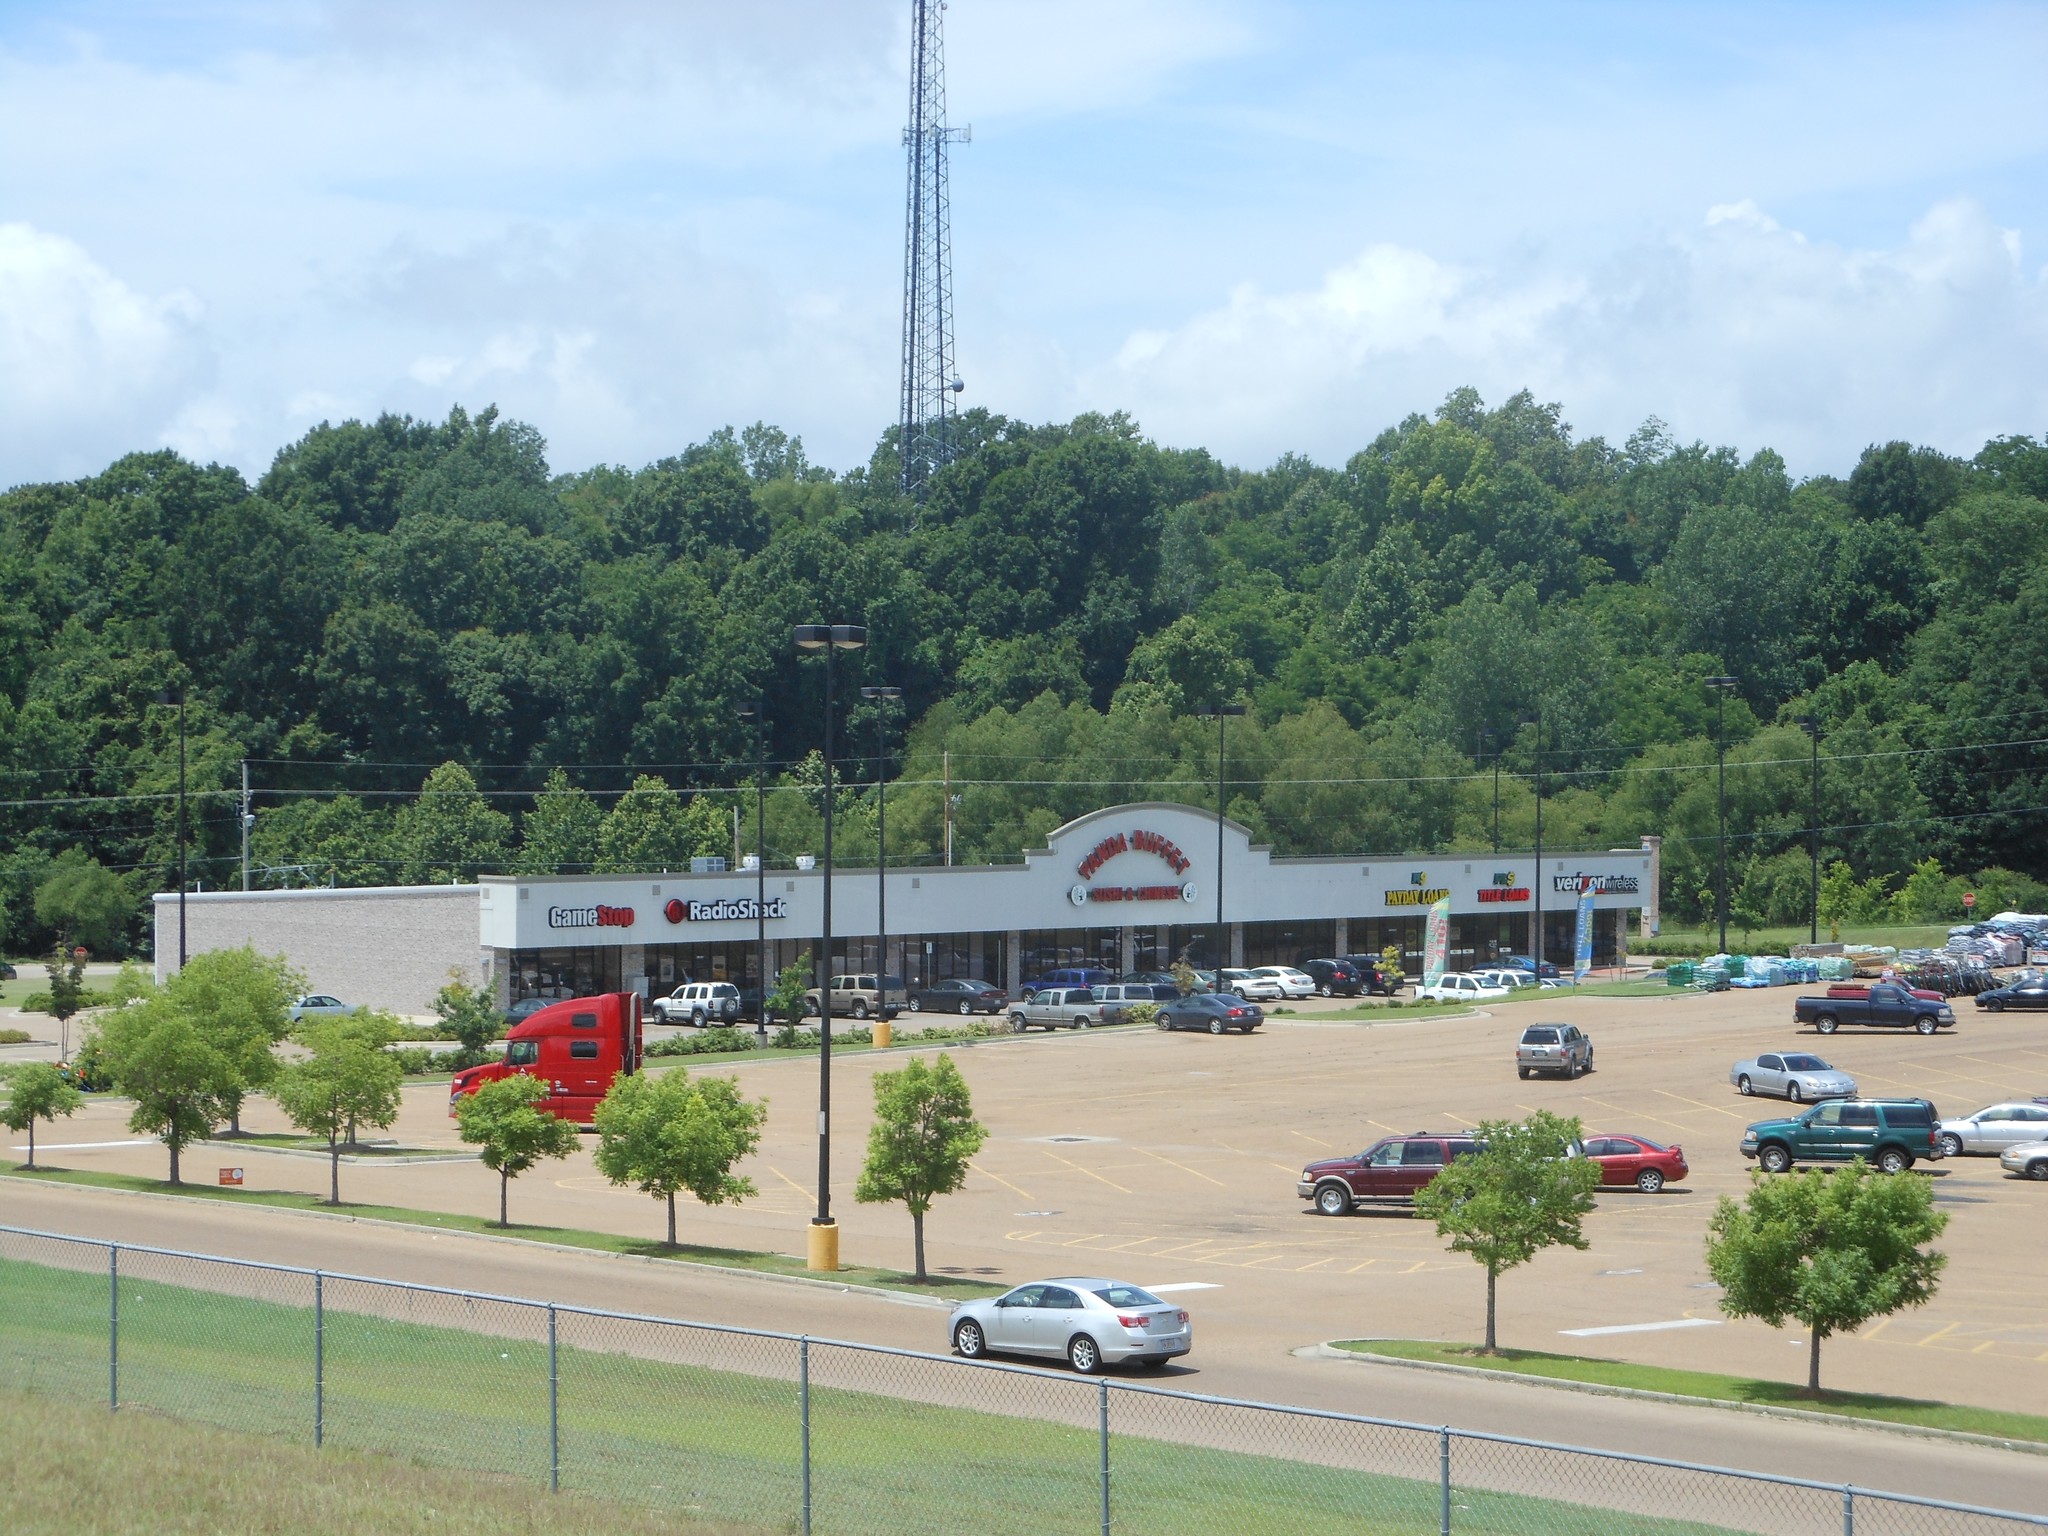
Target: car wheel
696, 1018
917, 1005
1926, 1024
1892, 1160
1215, 1026
1523, 1073
1774, 1159
1165, 1021
1951, 1144
2038, 1168
1323, 990
1333, 1201
1994, 1005
1795, 1093
810, 1007
1826, 1024
1080, 1021
1744, 1086
1084, 1354
1649, 1181
1017, 1023
860, 1007
968, 1340
966, 1008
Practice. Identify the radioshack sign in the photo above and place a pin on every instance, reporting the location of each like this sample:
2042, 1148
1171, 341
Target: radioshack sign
725, 909
590, 917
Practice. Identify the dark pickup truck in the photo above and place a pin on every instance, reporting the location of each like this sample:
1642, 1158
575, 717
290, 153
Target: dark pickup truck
1883, 1006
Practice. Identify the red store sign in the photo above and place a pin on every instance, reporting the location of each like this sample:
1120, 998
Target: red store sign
1133, 842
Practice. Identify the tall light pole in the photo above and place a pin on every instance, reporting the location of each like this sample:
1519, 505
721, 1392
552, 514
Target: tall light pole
824, 1241
881, 697
1721, 685
1221, 712
177, 696
1811, 725
755, 713
1536, 885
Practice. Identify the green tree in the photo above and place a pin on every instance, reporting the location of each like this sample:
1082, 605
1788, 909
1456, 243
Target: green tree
1517, 1195
347, 1081
668, 1133
1831, 1248
36, 1090
242, 1002
161, 1057
468, 1016
82, 898
786, 1001
504, 1120
66, 967
922, 1139
450, 834
646, 830
559, 835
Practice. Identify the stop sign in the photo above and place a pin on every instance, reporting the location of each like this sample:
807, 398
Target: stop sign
1969, 898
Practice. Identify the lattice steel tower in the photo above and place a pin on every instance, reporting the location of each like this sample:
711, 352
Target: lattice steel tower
931, 387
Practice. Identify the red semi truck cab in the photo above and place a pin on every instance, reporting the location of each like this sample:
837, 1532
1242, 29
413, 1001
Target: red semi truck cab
579, 1047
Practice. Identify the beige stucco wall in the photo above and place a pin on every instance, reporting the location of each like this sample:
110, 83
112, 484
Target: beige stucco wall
384, 947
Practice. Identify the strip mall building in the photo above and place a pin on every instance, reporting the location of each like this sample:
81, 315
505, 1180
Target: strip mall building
1129, 888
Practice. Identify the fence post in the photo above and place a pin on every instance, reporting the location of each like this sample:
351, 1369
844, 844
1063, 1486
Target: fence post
319, 1360
1848, 1510
113, 1327
1104, 1400
554, 1409
1443, 1457
803, 1403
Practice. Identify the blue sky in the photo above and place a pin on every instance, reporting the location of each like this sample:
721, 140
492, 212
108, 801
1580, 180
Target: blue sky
1259, 226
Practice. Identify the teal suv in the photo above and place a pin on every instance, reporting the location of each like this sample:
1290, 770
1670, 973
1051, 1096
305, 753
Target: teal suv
1892, 1133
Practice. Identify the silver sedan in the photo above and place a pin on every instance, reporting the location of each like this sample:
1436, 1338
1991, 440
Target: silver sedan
1798, 1077
2026, 1157
1092, 1322
1994, 1129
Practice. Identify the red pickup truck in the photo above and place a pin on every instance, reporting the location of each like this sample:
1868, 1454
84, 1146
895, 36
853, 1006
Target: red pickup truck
579, 1047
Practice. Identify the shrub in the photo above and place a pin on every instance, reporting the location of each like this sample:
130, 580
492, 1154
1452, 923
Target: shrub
14, 1037
721, 1042
1144, 1013
417, 1060
91, 997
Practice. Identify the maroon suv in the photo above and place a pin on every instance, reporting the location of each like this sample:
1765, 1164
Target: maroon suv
1393, 1169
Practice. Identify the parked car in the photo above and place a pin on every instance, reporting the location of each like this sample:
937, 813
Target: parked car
1092, 1322
1214, 1011
1157, 978
1883, 1005
1892, 1133
1334, 978
1515, 980
1800, 1078
1123, 996
1393, 1168
1524, 963
2028, 1157
1292, 983
1636, 1161
1264, 989
1458, 987
1380, 979
2030, 992
7, 972
1061, 1008
700, 1003
959, 994
526, 1008
862, 996
318, 1005
1559, 1048
1077, 976
1993, 1129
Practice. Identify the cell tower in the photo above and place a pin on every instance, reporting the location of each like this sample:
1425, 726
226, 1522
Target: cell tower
931, 388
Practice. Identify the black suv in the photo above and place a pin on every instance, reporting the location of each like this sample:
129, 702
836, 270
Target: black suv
1376, 978
1334, 978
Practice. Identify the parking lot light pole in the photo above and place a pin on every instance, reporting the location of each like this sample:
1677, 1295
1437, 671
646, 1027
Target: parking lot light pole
880, 698
1221, 712
177, 696
824, 1238
1721, 685
1536, 883
1486, 740
1811, 725
757, 714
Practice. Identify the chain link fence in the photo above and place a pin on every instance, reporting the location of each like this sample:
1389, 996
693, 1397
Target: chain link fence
826, 1438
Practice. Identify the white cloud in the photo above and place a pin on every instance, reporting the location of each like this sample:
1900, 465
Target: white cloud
85, 359
1739, 331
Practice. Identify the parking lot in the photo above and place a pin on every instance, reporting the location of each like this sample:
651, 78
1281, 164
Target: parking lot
1170, 1160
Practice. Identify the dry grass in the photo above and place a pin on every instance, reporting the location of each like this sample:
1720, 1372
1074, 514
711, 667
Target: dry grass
78, 1471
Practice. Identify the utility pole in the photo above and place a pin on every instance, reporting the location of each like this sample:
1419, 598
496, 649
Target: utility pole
1721, 685
248, 819
946, 783
931, 387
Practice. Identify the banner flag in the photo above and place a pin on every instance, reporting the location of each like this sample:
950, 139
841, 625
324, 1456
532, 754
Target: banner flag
1582, 936
1436, 942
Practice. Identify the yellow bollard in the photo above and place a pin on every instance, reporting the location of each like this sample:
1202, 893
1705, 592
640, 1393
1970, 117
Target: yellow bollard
884, 1033
824, 1254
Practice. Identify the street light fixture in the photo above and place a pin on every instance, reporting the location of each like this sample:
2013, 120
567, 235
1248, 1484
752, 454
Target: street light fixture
1811, 725
177, 696
1221, 712
824, 1239
757, 715
880, 697
1721, 687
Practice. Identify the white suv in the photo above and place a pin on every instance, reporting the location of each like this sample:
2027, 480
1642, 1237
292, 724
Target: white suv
1458, 987
700, 1003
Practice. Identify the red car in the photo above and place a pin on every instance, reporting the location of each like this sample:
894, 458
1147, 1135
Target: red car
1627, 1161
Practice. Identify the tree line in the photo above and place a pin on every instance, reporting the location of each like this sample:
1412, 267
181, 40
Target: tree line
440, 657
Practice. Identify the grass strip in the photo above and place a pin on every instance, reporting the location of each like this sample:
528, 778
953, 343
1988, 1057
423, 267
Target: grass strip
1715, 1388
952, 1288
706, 1424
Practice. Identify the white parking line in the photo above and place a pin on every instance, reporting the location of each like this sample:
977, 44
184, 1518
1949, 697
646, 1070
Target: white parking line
1186, 1285
83, 1146
1683, 1322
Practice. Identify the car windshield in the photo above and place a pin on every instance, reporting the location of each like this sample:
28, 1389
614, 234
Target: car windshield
522, 1053
1806, 1064
1128, 1296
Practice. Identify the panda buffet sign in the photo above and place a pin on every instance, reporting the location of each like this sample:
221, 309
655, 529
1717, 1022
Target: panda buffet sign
1118, 844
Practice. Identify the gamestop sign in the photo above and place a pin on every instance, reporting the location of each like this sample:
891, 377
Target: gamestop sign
590, 917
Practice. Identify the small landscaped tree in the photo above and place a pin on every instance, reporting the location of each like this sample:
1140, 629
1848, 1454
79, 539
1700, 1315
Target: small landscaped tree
786, 1001
162, 1060
36, 1090
1518, 1194
241, 1001
468, 1017
347, 1081
1829, 1248
66, 966
504, 1120
923, 1136
668, 1133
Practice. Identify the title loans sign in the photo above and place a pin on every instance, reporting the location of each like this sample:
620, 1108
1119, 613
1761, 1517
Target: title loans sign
1161, 847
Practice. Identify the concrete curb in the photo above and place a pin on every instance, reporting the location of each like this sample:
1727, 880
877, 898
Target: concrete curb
1327, 1351
902, 1298
349, 1159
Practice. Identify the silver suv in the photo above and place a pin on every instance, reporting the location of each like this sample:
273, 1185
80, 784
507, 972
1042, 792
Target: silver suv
861, 997
700, 1003
1558, 1048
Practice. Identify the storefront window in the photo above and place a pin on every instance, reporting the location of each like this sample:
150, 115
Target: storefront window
1051, 949
1288, 943
557, 973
